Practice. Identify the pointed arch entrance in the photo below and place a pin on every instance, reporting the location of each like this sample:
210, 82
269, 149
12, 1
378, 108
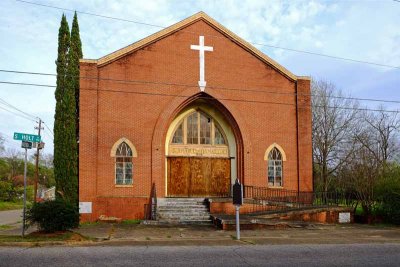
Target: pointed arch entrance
201, 152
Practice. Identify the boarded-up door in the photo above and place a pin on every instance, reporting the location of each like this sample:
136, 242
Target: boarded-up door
198, 177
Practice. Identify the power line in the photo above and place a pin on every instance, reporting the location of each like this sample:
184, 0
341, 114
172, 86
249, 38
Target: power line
16, 114
188, 85
50, 131
17, 109
237, 100
48, 135
32, 84
185, 96
259, 44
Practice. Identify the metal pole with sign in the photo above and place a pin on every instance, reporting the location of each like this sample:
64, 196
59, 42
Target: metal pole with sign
26, 146
27, 140
23, 219
237, 201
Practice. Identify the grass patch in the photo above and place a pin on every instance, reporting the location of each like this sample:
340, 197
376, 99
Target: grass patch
37, 237
11, 205
129, 222
5, 227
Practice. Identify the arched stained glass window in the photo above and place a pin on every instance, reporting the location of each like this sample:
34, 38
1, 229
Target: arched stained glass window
192, 129
218, 137
198, 128
123, 165
178, 135
205, 129
275, 168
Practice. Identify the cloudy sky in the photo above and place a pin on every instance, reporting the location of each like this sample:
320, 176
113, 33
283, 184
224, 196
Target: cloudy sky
361, 30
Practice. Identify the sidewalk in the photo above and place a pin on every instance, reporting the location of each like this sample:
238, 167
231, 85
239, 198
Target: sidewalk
198, 235
181, 235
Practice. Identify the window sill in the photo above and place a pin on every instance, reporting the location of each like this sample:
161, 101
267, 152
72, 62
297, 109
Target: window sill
276, 187
124, 185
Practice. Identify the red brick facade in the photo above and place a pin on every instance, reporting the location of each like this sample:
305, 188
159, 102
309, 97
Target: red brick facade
135, 93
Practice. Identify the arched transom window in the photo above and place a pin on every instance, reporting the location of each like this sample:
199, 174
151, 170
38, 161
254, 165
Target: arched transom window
275, 168
123, 164
198, 129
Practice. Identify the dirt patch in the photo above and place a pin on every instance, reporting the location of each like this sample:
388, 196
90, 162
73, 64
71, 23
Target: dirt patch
48, 235
59, 235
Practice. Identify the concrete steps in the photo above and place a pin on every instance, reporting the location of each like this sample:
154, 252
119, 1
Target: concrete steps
183, 211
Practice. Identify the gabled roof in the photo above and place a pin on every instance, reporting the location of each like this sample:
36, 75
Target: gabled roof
182, 24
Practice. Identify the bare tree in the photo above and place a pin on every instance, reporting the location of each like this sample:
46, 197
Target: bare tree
362, 174
380, 134
13, 158
333, 120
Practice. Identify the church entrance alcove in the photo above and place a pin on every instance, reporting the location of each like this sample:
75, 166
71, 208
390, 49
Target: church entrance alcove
201, 152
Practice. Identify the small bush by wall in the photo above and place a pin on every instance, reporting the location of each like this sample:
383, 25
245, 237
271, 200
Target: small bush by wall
55, 215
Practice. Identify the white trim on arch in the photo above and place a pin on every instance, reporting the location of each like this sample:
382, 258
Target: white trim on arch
269, 149
120, 141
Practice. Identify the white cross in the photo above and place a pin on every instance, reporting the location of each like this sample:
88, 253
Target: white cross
202, 48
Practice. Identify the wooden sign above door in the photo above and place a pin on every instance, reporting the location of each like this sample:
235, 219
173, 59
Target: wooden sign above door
199, 151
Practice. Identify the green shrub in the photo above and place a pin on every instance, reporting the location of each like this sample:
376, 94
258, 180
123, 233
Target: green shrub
55, 215
390, 207
388, 195
9, 192
5, 190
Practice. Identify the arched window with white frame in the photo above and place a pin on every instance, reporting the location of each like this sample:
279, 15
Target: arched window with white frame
123, 152
275, 157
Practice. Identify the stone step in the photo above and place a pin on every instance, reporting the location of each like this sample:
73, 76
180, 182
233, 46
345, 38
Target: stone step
197, 222
183, 211
183, 199
190, 213
186, 216
180, 203
184, 208
179, 200
172, 220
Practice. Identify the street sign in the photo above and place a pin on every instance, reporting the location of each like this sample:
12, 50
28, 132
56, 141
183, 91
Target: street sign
27, 137
27, 145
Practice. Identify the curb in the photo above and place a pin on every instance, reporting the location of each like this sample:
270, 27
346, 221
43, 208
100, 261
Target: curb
126, 242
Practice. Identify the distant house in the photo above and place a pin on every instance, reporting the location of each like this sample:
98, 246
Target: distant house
48, 193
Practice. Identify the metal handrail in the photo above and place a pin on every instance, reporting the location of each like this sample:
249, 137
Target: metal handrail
279, 199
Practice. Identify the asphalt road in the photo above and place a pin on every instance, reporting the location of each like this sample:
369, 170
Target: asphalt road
246, 255
10, 216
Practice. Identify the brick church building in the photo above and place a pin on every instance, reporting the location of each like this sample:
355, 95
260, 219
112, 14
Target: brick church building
185, 112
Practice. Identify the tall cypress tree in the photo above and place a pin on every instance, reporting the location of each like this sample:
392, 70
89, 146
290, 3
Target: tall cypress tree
74, 54
65, 146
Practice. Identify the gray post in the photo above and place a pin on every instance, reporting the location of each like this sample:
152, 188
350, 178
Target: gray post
237, 223
23, 220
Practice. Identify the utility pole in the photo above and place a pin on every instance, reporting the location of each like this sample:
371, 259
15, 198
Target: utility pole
37, 161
